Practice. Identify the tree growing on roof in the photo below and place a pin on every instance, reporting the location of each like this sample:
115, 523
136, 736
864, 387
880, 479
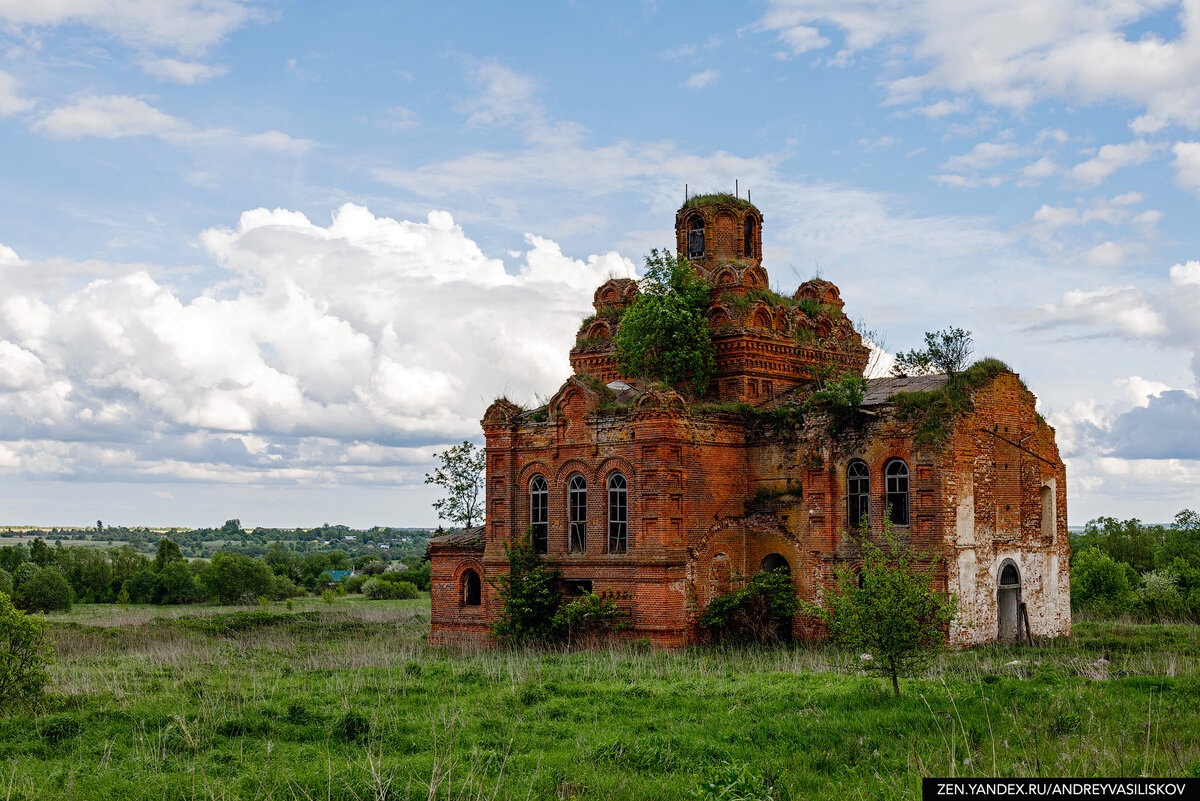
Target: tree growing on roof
461, 476
664, 334
945, 351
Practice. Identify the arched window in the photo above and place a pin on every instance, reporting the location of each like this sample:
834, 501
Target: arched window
577, 515
695, 249
896, 477
748, 238
618, 514
858, 493
539, 515
471, 588
774, 561
1009, 577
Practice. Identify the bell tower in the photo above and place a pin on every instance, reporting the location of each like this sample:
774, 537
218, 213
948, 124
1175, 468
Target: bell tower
719, 229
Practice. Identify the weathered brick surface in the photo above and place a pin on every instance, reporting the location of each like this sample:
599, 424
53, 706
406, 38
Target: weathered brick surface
711, 494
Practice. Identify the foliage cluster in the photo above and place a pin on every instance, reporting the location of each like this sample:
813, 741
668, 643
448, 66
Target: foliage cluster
945, 351
378, 589
717, 198
533, 610
891, 610
842, 399
664, 334
1128, 567
761, 610
24, 656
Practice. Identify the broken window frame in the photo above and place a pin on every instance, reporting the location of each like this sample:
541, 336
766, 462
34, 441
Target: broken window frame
858, 494
539, 514
896, 488
577, 514
618, 514
472, 590
695, 237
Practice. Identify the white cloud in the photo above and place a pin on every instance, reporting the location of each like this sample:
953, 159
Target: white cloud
943, 108
1187, 165
120, 116
701, 79
1056, 217
109, 117
505, 96
983, 156
10, 101
1186, 274
173, 70
1124, 310
874, 144
1110, 159
327, 343
190, 26
1106, 254
1042, 168
1013, 54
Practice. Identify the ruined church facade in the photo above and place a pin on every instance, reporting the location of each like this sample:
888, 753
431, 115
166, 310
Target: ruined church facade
660, 502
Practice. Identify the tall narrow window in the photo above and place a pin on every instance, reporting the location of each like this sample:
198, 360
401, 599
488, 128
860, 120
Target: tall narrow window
695, 237
896, 478
748, 238
471, 588
858, 493
618, 514
539, 515
577, 515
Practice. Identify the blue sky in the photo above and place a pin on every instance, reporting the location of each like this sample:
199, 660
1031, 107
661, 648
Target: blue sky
262, 260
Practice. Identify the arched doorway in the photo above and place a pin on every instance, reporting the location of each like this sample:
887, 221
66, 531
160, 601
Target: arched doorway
774, 561
1008, 600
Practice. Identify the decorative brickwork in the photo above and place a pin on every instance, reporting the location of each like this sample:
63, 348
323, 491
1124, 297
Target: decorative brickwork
714, 491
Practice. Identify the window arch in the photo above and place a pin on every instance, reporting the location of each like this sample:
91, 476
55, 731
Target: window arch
748, 238
472, 588
539, 514
775, 561
896, 479
577, 514
858, 493
618, 514
695, 237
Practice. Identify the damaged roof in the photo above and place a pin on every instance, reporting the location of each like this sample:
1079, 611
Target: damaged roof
880, 390
464, 538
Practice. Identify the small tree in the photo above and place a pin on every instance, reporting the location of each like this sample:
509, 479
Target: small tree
890, 609
168, 552
529, 597
461, 475
761, 611
664, 334
24, 655
945, 351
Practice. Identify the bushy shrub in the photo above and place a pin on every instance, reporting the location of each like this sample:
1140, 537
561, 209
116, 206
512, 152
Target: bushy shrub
1099, 583
140, 586
1159, 595
47, 591
174, 584
24, 572
760, 611
351, 726
24, 656
586, 618
379, 590
355, 583
283, 588
529, 597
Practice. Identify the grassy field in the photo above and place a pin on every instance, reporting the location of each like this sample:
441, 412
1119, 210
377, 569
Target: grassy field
346, 702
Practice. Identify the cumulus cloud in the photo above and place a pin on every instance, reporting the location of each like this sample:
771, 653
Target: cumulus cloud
337, 352
983, 156
190, 26
1013, 54
173, 70
701, 79
1111, 158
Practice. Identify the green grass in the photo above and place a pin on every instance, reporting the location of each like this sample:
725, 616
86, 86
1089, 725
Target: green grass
346, 702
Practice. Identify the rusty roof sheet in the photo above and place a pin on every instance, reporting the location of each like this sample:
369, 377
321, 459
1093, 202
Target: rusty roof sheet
880, 390
464, 538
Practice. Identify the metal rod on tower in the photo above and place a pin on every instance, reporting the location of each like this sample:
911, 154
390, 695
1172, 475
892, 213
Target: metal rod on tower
685, 194
736, 193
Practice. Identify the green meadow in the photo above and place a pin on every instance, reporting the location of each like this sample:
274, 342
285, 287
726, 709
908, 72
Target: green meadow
345, 701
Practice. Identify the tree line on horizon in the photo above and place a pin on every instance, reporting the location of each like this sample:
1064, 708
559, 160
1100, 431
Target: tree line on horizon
47, 578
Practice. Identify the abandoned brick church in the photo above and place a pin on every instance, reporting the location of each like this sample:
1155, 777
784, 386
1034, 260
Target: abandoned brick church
660, 503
